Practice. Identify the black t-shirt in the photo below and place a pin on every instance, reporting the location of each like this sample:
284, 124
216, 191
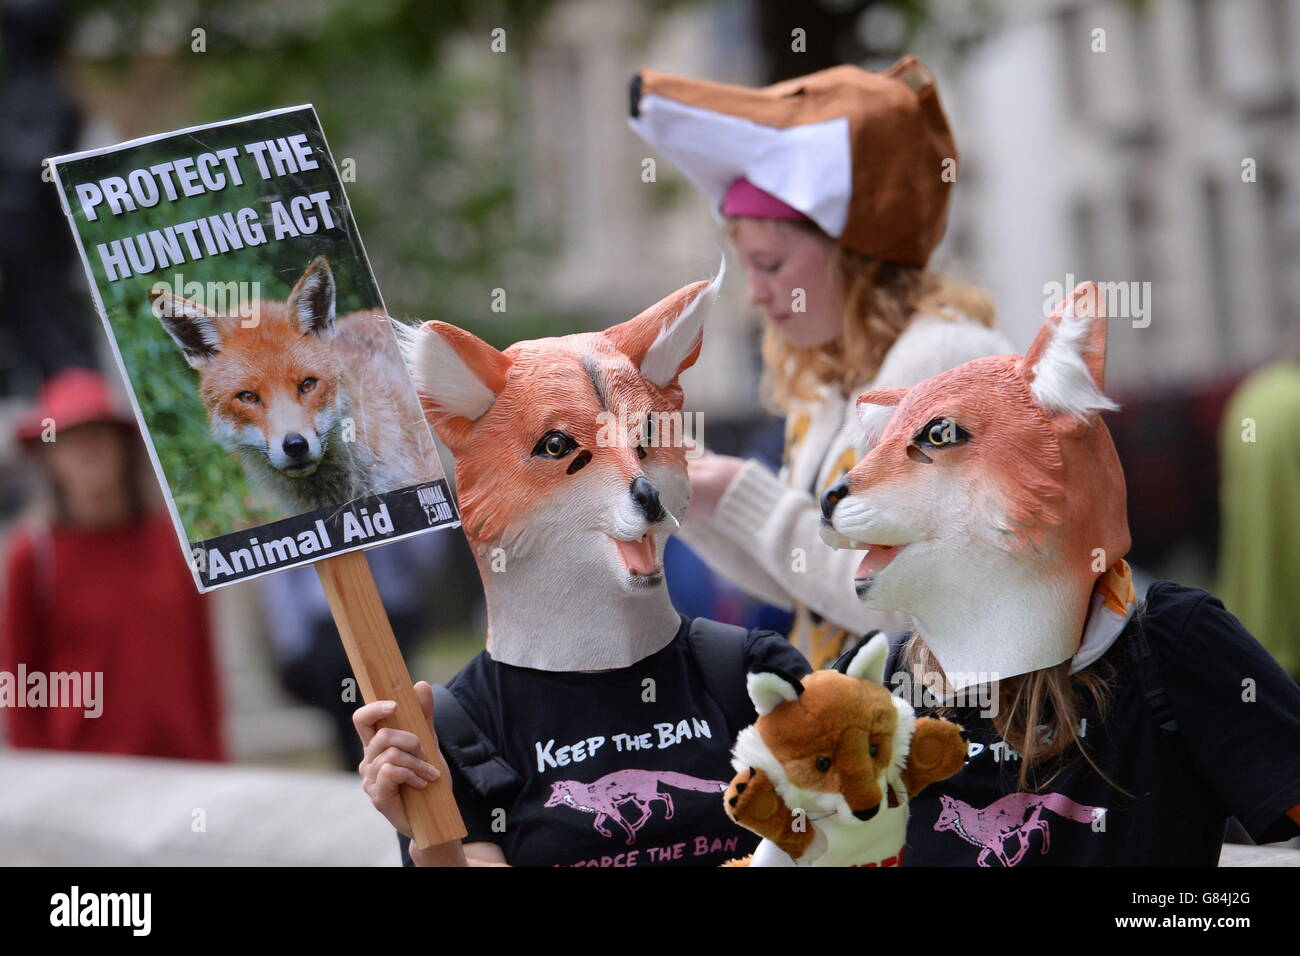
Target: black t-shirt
622, 768
1235, 752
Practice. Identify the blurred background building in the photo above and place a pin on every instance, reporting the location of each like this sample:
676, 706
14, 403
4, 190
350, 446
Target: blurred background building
1147, 143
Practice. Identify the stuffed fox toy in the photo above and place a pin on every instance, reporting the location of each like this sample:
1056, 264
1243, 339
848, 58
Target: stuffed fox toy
825, 774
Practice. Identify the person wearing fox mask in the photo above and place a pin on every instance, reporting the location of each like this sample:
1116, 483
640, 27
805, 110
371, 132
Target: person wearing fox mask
834, 188
596, 727
1104, 729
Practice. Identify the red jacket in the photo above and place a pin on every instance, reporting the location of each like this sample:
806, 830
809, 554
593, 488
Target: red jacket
120, 602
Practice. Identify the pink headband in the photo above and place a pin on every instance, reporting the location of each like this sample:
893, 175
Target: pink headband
743, 198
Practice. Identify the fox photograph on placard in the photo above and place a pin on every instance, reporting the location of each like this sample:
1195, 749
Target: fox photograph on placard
260, 358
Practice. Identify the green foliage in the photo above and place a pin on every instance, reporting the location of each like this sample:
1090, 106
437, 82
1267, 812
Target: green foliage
408, 90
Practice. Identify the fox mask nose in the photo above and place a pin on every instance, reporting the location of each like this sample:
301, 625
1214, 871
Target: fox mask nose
295, 446
646, 496
834, 495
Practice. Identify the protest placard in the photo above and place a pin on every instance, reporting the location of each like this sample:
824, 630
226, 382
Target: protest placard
265, 374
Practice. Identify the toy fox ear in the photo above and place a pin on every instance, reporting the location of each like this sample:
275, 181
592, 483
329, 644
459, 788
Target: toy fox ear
665, 339
457, 375
1066, 364
869, 662
192, 326
769, 687
311, 302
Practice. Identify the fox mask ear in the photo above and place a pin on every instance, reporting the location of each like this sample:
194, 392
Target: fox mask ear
886, 397
311, 302
192, 326
457, 374
1066, 364
665, 339
875, 408
769, 687
869, 662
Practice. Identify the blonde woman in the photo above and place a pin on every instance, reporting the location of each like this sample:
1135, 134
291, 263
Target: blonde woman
834, 191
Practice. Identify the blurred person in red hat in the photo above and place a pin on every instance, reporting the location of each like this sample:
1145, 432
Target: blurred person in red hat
97, 586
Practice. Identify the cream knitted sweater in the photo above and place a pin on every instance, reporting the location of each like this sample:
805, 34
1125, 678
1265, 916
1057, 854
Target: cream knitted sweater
763, 536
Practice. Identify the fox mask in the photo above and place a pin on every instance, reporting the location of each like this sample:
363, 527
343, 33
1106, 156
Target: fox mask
567, 514
993, 501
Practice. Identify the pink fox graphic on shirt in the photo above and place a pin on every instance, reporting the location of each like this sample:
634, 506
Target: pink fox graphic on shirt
605, 797
1015, 815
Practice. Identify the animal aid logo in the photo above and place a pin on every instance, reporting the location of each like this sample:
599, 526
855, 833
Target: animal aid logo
259, 357
433, 499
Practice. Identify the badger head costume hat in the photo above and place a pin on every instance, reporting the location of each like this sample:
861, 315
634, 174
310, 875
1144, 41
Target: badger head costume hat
866, 156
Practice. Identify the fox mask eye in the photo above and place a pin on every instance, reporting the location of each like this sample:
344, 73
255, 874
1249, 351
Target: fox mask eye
937, 433
248, 398
941, 433
554, 445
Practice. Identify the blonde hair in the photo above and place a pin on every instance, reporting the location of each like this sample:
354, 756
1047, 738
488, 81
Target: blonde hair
879, 299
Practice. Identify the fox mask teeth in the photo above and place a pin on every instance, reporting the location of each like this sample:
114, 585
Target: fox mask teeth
876, 559
640, 556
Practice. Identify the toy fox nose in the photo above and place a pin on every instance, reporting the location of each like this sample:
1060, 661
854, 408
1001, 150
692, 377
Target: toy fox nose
646, 495
868, 813
834, 495
295, 446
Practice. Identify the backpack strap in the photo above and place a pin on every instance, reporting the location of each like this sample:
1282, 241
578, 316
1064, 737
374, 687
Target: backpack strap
475, 754
719, 651
1148, 675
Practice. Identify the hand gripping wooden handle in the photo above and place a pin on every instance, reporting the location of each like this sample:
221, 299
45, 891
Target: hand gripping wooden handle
382, 675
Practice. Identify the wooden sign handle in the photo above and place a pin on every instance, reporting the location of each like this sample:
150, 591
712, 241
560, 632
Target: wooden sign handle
382, 675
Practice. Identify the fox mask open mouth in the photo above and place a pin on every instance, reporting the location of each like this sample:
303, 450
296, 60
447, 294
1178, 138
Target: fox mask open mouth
641, 559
